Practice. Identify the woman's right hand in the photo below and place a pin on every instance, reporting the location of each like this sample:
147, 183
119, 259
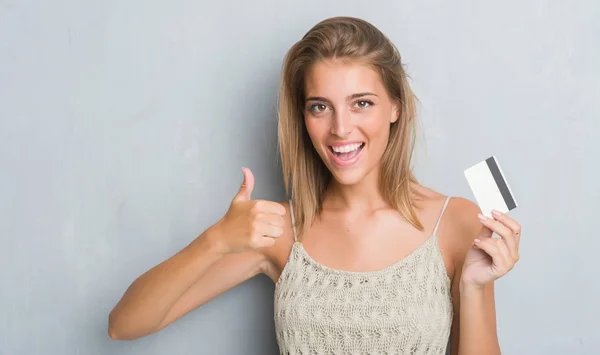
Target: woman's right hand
248, 224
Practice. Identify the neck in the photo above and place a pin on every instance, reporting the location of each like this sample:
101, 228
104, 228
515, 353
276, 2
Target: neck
362, 196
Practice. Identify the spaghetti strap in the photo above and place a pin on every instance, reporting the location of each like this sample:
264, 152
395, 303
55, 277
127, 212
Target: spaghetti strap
440, 217
293, 222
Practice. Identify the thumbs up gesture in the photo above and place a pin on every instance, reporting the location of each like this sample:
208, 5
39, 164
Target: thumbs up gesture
249, 224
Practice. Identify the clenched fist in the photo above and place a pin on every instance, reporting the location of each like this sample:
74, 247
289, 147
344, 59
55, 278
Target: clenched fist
249, 224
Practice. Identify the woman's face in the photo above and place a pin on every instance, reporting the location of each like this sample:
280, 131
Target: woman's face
347, 113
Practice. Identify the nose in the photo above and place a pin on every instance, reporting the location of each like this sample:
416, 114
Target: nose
341, 124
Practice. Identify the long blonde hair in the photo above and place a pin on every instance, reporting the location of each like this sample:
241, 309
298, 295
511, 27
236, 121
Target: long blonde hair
305, 175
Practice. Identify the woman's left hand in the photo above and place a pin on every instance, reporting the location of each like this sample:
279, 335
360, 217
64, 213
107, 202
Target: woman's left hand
491, 258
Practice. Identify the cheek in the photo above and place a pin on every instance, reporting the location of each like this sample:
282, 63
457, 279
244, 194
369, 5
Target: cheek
315, 129
313, 133
378, 130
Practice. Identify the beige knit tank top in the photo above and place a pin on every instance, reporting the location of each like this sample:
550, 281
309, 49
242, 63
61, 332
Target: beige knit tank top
405, 308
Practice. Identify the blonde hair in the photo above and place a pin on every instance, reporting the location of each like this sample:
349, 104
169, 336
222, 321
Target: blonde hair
305, 175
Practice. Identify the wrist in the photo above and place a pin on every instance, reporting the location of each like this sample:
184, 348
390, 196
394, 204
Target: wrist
210, 242
470, 288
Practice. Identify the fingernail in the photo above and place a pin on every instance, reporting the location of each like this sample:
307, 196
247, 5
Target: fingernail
496, 213
482, 217
477, 241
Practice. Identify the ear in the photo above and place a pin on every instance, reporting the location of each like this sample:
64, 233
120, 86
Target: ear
395, 112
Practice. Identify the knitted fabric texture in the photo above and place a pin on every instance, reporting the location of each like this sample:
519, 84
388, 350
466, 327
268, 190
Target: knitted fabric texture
405, 308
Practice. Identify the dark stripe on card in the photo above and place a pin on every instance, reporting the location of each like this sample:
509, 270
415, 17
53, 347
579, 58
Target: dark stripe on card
506, 195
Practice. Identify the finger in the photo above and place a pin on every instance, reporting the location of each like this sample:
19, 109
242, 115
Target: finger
512, 248
512, 244
508, 260
508, 235
245, 191
490, 246
505, 251
495, 226
268, 230
509, 222
264, 206
271, 219
265, 242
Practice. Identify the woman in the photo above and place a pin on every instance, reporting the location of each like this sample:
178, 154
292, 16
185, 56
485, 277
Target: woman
365, 259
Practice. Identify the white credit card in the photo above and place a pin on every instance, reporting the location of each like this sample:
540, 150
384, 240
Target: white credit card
490, 187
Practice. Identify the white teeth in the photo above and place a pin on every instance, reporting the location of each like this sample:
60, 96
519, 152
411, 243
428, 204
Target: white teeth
346, 148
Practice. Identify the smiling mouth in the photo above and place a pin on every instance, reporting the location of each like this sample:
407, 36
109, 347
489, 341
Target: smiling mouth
346, 153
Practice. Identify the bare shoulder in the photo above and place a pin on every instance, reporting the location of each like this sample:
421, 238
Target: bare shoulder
461, 226
276, 255
462, 217
460, 211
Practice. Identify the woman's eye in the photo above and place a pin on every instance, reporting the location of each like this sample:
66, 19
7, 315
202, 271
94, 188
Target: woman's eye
318, 108
363, 104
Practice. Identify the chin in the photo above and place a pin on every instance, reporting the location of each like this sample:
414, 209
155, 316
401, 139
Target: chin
348, 177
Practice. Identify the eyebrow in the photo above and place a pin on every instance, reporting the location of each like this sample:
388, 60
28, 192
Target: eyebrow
353, 96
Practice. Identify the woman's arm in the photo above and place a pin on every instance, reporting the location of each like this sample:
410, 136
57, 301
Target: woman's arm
478, 261
477, 315
178, 285
225, 255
